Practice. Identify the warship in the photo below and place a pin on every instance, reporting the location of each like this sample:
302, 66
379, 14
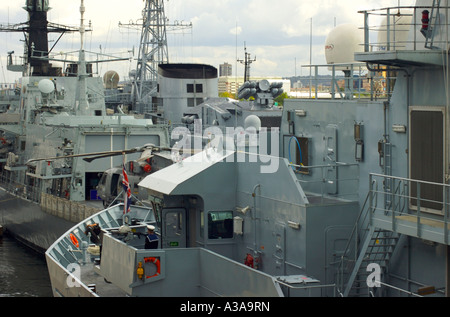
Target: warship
57, 114
347, 198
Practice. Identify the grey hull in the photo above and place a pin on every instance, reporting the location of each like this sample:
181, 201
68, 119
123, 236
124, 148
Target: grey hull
29, 224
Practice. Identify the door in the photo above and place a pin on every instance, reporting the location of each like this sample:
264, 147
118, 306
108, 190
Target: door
174, 228
427, 156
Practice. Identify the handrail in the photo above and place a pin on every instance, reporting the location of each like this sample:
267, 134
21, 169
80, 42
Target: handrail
354, 237
396, 27
409, 179
420, 207
400, 290
309, 287
402, 201
358, 74
322, 179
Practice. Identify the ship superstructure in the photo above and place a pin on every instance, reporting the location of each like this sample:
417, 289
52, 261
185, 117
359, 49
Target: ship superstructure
61, 113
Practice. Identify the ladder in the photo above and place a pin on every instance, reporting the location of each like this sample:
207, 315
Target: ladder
432, 24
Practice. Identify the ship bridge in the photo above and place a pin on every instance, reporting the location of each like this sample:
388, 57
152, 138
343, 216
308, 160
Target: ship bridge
227, 204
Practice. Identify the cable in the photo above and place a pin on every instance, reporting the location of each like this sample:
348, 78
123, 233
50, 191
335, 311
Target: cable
299, 149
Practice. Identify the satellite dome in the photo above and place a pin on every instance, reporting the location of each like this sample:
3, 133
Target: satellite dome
252, 121
399, 30
46, 86
111, 79
342, 43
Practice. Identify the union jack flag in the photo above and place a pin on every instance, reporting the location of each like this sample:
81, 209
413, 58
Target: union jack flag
126, 190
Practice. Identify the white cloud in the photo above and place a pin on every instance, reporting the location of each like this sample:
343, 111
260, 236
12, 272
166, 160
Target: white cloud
236, 30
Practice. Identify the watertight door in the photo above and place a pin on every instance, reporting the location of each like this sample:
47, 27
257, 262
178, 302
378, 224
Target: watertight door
174, 228
426, 157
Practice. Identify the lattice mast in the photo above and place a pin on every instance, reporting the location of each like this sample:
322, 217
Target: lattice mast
153, 50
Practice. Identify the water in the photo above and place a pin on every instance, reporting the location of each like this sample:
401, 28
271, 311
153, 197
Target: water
23, 272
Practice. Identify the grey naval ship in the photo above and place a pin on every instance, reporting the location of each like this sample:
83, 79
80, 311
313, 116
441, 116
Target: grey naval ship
347, 198
62, 127
57, 114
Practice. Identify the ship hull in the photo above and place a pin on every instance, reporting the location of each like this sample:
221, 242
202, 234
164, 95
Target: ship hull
28, 223
71, 274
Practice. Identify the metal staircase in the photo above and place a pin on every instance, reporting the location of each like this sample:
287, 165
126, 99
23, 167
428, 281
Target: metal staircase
377, 250
367, 248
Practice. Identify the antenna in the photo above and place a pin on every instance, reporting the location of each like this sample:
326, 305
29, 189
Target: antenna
247, 62
36, 31
81, 103
152, 51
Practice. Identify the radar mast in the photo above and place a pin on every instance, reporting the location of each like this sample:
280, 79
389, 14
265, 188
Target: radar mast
153, 51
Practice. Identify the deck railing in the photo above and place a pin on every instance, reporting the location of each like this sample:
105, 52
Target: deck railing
392, 201
388, 29
421, 203
359, 83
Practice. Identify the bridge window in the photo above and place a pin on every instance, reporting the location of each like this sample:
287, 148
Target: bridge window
220, 225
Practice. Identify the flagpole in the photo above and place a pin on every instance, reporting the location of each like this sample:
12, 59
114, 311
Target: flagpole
125, 199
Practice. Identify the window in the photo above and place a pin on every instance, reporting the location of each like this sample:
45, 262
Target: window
202, 224
220, 225
298, 153
301, 155
103, 180
174, 224
198, 88
191, 102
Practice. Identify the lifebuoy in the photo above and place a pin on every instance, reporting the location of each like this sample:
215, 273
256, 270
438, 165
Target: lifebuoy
74, 240
157, 263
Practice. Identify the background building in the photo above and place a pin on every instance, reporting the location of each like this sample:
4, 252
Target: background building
225, 69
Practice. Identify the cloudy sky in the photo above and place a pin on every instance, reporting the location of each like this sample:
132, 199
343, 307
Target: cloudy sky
277, 33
